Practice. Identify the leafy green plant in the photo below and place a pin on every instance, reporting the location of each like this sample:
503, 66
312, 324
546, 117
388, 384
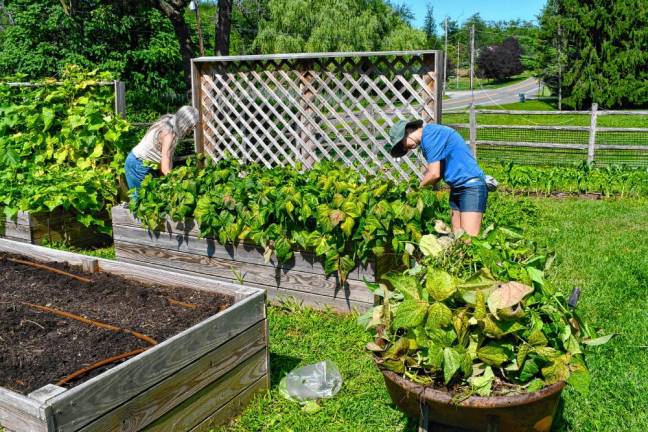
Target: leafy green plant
61, 147
611, 180
342, 215
478, 317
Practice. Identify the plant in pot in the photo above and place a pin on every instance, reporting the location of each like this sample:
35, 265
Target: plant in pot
473, 338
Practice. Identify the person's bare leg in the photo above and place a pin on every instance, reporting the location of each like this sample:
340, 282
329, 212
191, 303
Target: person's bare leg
470, 222
455, 217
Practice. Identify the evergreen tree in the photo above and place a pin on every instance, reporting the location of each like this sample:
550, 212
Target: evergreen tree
429, 27
605, 49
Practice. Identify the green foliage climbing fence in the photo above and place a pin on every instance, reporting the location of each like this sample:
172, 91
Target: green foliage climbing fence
61, 146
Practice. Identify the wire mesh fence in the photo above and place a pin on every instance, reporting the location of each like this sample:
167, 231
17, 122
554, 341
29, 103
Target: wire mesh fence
556, 138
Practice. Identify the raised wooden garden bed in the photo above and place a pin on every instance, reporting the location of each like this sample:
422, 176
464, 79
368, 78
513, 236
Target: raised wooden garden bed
177, 245
193, 380
54, 226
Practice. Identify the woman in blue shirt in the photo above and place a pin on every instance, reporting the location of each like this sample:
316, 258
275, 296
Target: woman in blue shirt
447, 157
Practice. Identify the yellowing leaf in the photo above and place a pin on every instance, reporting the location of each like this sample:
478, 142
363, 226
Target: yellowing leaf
404, 284
347, 226
410, 314
440, 284
439, 315
480, 305
493, 354
481, 385
451, 363
430, 246
507, 295
537, 338
336, 216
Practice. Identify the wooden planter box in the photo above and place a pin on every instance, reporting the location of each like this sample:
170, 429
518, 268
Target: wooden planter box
56, 226
202, 376
177, 245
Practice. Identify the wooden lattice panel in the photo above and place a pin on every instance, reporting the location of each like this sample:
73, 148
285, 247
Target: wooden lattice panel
299, 109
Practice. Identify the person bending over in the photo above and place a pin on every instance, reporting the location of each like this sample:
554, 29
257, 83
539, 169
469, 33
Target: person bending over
449, 158
158, 146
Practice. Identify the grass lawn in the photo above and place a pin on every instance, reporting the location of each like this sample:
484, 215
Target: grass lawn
484, 83
602, 248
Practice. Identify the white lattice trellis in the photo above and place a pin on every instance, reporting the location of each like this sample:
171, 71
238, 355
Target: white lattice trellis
302, 108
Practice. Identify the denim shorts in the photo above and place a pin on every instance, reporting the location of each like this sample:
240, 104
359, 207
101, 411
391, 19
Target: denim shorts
135, 171
470, 197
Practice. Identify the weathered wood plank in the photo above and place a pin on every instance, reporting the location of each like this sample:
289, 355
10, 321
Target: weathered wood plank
131, 271
252, 274
247, 253
20, 414
162, 398
84, 403
233, 407
46, 392
308, 298
194, 410
15, 230
317, 301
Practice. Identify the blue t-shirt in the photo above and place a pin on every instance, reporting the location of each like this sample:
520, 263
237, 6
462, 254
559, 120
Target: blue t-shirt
444, 144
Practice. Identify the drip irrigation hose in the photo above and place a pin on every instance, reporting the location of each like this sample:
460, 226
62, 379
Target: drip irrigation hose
181, 303
100, 363
149, 340
50, 269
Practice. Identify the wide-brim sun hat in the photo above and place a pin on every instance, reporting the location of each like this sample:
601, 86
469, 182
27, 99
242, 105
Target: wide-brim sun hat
397, 134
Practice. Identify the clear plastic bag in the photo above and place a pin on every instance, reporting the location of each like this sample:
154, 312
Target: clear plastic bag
316, 381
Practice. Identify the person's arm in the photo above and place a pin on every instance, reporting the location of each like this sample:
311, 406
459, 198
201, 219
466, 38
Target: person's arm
166, 141
432, 174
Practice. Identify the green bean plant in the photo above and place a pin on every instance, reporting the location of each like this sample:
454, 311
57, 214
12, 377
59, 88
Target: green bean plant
477, 317
61, 147
343, 215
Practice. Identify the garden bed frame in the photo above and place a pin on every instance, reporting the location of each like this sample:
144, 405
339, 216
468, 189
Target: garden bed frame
55, 226
198, 378
177, 245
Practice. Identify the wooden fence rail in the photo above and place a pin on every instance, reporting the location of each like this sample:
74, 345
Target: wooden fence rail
541, 144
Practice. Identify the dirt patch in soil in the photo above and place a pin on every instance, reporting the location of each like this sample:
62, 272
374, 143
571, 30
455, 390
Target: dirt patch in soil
39, 348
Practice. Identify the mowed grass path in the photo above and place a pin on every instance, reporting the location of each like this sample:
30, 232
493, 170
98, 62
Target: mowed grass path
602, 248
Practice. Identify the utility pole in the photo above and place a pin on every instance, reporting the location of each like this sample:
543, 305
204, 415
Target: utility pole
445, 58
559, 70
472, 60
457, 66
193, 5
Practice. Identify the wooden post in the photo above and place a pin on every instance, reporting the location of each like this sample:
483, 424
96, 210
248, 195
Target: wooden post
196, 100
592, 134
307, 96
120, 98
473, 130
439, 85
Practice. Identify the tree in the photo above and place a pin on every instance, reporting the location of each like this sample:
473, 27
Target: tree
500, 61
429, 26
604, 48
223, 27
130, 39
335, 25
174, 11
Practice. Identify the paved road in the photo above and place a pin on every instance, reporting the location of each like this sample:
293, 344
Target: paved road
500, 96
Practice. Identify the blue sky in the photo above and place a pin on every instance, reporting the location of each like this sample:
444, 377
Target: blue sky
490, 10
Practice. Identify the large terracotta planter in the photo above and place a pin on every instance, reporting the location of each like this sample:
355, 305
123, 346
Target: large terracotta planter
529, 412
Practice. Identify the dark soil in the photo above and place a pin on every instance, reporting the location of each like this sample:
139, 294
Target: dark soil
39, 348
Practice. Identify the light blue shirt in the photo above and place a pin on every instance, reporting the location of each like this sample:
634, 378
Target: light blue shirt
443, 144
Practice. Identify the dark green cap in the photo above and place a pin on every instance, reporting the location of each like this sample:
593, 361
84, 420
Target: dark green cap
397, 133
